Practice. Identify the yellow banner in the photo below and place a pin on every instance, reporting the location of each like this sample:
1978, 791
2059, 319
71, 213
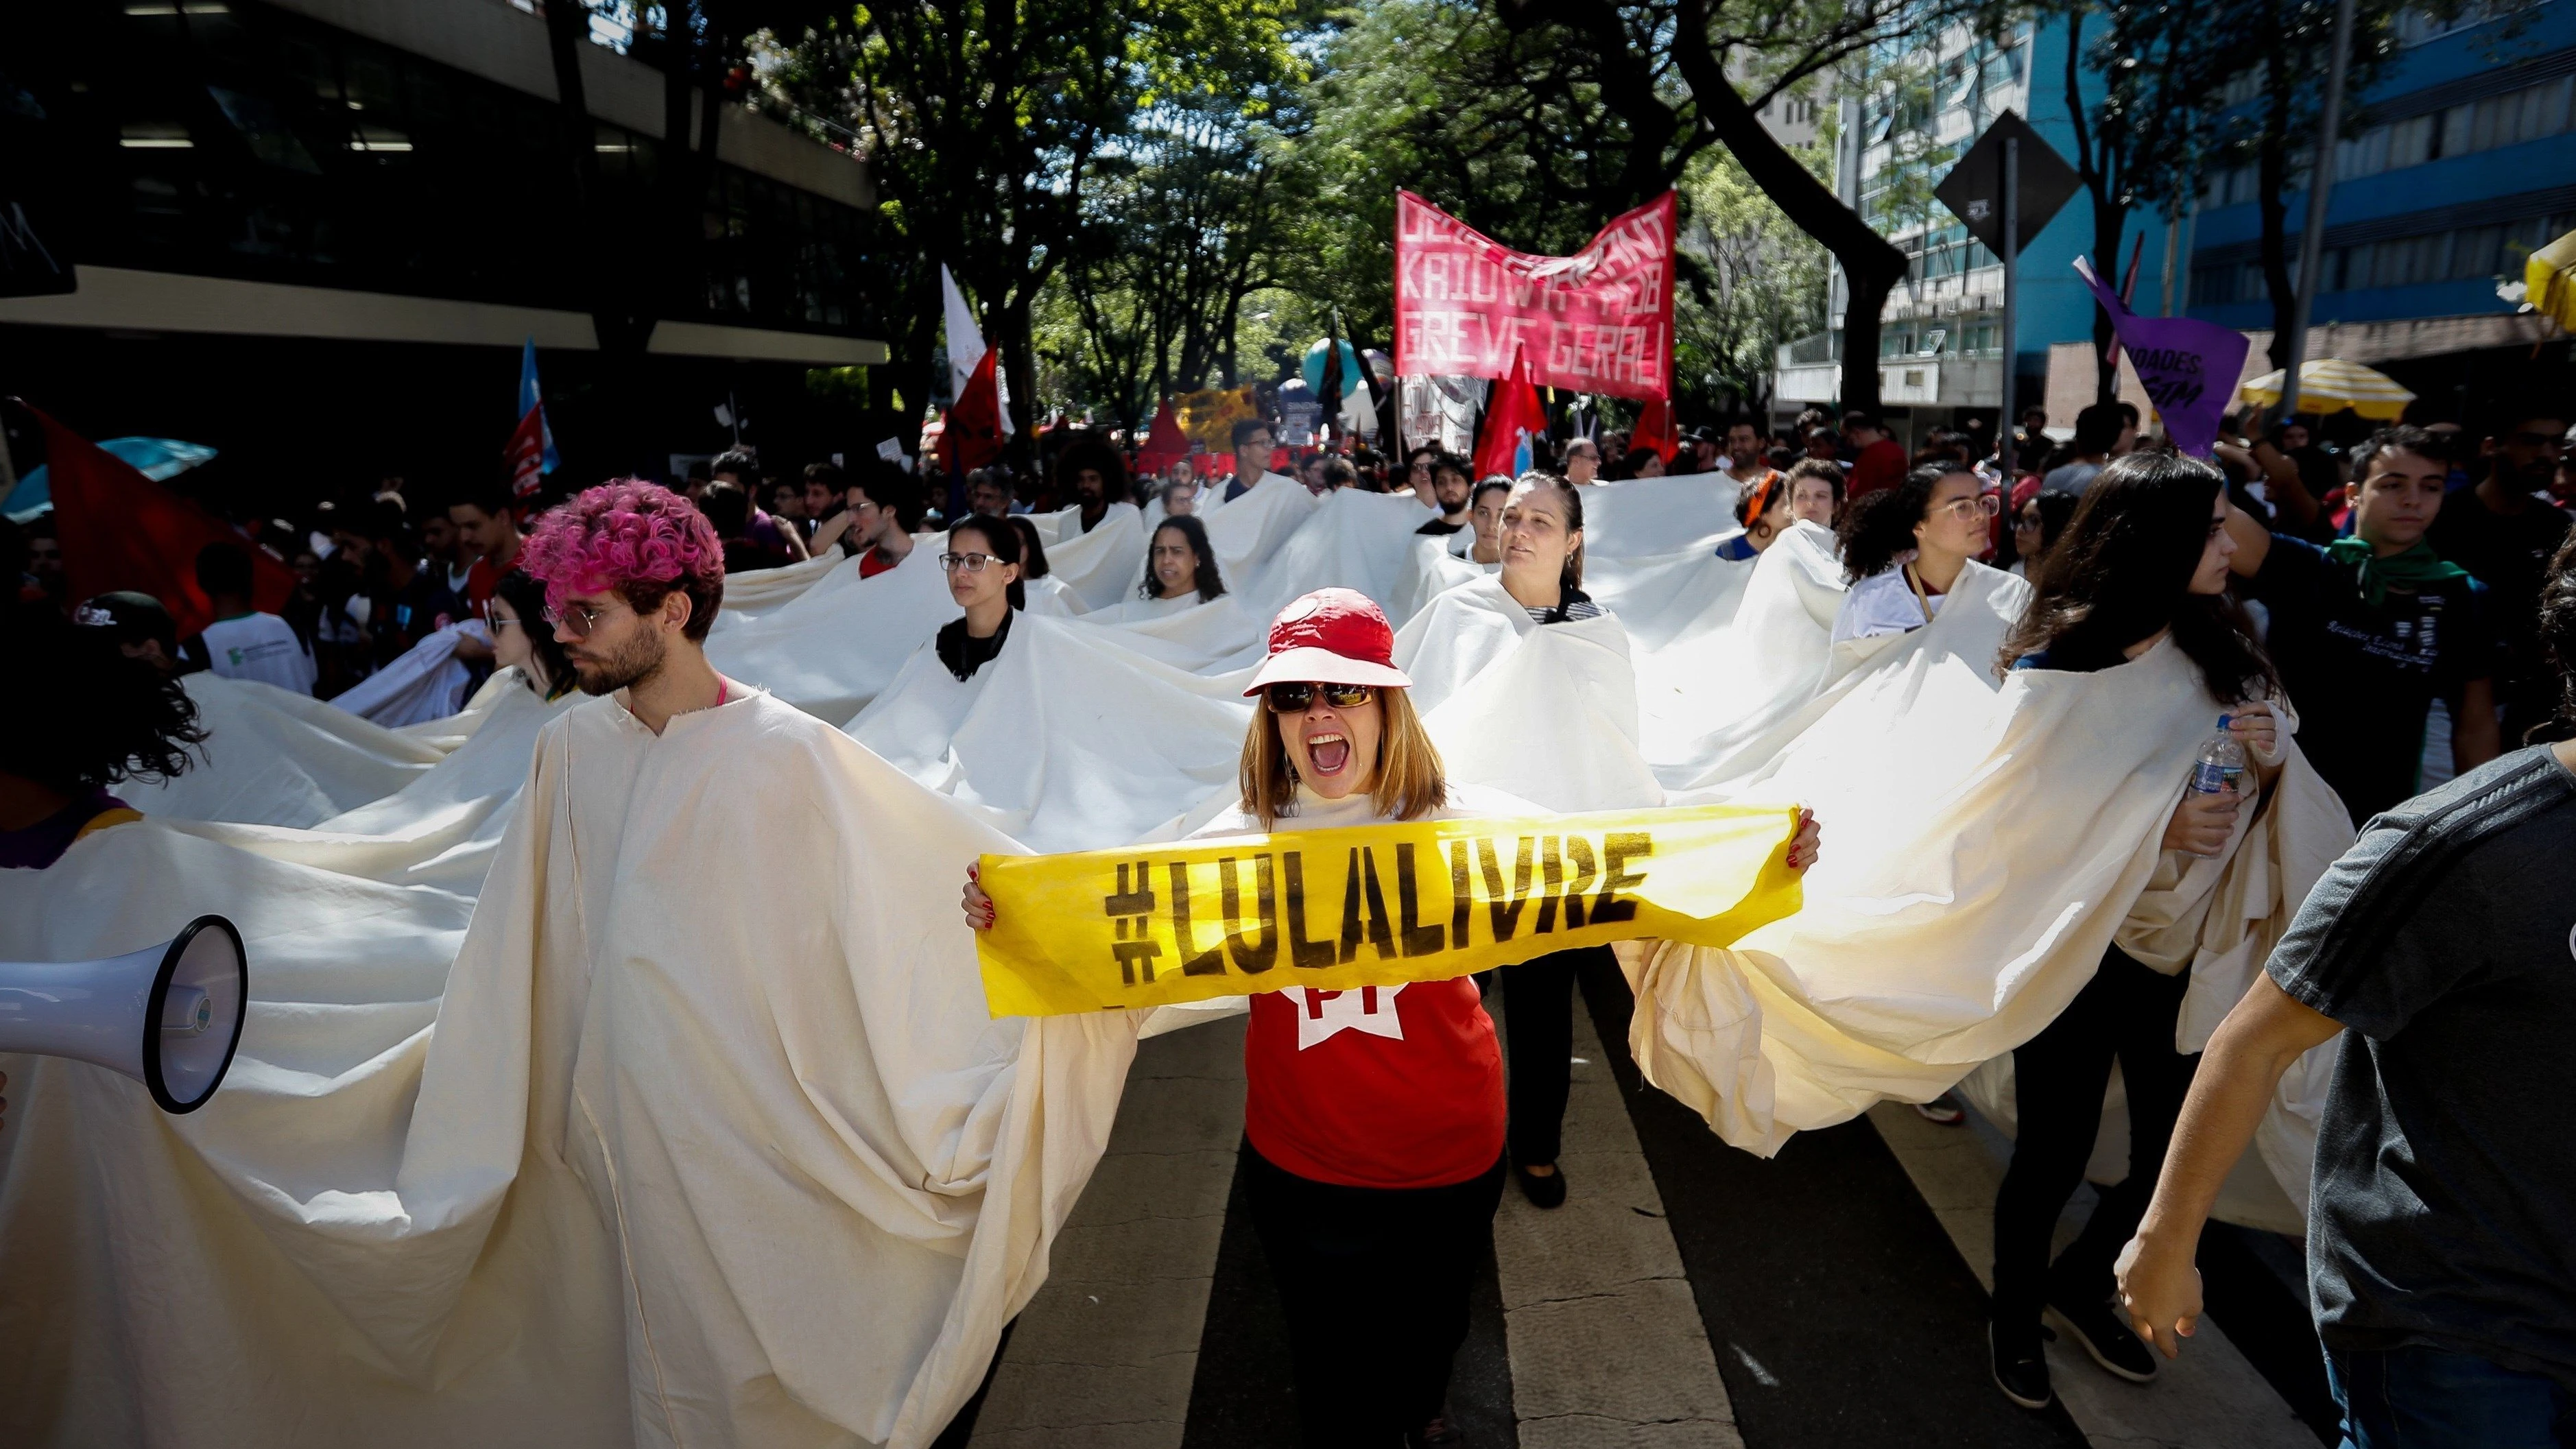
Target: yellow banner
1209, 417
1371, 905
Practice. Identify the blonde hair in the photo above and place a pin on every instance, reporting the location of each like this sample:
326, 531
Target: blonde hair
1407, 785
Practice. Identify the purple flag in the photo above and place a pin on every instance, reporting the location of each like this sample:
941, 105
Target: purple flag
2189, 367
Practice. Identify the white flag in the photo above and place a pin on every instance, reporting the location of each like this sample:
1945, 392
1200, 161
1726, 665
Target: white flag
966, 348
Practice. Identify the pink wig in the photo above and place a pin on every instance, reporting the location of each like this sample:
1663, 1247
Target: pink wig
620, 534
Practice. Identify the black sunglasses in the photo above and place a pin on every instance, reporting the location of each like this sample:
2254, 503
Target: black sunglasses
1299, 698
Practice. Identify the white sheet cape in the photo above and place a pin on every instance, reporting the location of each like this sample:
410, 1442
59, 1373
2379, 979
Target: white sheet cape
1982, 847
705, 1171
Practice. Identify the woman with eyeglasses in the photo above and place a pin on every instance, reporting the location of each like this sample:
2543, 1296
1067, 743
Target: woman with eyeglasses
522, 639
2036, 524
983, 567
1373, 1120
1906, 548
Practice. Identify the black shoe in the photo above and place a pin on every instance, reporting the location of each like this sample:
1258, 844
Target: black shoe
1546, 1192
2100, 1333
1438, 1434
2021, 1371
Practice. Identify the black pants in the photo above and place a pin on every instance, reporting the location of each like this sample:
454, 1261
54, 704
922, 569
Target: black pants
1538, 1028
1374, 1281
2059, 1076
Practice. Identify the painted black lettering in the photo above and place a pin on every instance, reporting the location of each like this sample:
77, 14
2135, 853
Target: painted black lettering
1194, 962
1551, 883
1507, 918
1579, 872
1249, 958
1417, 940
1302, 953
1462, 895
1133, 906
1617, 849
1362, 881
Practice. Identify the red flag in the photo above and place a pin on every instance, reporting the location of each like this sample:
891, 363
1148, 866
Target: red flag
526, 456
1655, 430
1165, 443
121, 530
1512, 420
975, 423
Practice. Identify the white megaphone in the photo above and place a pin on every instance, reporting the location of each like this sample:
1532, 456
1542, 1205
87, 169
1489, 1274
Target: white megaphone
168, 1016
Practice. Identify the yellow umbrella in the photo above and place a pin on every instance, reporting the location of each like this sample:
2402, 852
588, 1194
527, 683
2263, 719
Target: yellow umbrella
2330, 385
2549, 281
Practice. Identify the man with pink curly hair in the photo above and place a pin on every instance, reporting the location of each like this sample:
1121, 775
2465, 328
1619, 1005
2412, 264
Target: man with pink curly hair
633, 576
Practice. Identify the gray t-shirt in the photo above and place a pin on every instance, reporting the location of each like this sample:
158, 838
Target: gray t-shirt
2072, 478
2443, 1209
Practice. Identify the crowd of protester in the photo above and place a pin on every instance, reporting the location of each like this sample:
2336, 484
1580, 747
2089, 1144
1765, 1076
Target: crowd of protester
2427, 566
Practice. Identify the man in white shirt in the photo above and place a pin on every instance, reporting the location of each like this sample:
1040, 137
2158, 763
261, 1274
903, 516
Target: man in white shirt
1253, 445
243, 643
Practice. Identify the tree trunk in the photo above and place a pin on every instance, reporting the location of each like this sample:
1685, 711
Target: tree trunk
1871, 265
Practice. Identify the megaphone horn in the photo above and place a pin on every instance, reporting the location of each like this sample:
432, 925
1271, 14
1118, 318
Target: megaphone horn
168, 1016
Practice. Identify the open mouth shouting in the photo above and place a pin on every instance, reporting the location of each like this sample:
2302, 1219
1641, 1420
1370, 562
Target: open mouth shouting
1328, 751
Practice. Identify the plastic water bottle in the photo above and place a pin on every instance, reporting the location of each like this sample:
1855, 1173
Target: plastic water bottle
2221, 765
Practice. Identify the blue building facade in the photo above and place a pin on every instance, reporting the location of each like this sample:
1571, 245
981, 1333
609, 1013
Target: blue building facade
2465, 162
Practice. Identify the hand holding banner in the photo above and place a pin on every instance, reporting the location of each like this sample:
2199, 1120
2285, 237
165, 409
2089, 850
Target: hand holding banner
1371, 905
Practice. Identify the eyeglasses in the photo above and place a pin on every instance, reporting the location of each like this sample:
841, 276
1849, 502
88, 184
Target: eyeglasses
579, 618
1299, 698
972, 563
1984, 505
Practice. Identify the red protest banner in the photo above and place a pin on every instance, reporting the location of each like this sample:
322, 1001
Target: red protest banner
1598, 321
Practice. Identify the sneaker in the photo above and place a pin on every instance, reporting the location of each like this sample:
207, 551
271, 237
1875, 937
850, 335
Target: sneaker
2101, 1334
1438, 1434
1944, 1109
1546, 1192
2021, 1371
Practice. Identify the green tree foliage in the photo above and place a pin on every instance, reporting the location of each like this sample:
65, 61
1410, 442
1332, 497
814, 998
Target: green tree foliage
1751, 283
988, 124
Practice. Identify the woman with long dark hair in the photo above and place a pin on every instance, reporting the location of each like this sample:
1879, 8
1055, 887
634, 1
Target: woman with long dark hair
983, 568
1179, 562
521, 637
2142, 565
108, 717
1906, 548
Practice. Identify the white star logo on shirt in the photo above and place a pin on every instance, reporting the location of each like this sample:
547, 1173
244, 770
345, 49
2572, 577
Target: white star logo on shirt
1322, 1013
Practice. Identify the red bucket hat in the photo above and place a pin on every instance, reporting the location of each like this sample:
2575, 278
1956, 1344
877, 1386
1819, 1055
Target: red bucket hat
1331, 636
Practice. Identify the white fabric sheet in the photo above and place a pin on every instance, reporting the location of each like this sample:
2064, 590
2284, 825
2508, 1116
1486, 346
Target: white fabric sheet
676, 1166
274, 757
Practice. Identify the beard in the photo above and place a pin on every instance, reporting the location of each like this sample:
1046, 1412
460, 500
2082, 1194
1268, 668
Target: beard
633, 663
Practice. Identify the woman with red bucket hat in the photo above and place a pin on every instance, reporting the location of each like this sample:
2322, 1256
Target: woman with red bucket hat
1373, 1119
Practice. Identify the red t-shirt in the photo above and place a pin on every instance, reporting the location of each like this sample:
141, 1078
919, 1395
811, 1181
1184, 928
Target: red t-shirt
1880, 465
1386, 1086
480, 581
875, 561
